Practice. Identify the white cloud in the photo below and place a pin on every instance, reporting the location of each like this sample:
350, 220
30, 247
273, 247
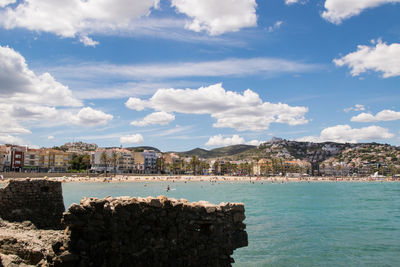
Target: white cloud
242, 112
87, 41
131, 139
9, 139
276, 26
384, 115
73, 17
9, 126
90, 117
19, 84
380, 58
50, 137
346, 134
357, 107
30, 99
339, 10
219, 140
236, 67
136, 104
217, 17
289, 2
156, 118
254, 142
7, 2
174, 131
31, 112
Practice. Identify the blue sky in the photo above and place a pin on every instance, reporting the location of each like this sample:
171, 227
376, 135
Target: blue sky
180, 74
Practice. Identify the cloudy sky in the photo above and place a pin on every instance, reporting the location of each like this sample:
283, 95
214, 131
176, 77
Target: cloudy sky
180, 74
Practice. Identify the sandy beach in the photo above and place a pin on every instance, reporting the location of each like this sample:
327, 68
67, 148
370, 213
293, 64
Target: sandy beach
192, 178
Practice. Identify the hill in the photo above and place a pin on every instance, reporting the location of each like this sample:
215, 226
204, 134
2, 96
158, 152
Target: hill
217, 152
142, 148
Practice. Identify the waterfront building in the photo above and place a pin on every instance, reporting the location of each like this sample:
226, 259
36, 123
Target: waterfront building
115, 160
16, 158
31, 159
4, 158
150, 160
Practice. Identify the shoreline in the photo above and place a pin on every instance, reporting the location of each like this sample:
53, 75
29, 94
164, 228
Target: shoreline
192, 178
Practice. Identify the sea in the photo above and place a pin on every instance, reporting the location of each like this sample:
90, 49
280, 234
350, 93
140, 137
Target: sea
291, 224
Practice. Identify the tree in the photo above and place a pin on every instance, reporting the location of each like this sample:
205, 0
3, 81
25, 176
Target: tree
216, 167
115, 157
194, 164
104, 161
86, 162
203, 166
80, 162
161, 165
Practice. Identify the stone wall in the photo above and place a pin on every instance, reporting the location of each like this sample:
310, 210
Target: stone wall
39, 201
154, 232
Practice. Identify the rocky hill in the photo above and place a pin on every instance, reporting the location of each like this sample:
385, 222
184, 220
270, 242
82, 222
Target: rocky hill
308, 151
218, 152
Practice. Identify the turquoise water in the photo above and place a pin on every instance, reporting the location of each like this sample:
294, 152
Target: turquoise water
292, 224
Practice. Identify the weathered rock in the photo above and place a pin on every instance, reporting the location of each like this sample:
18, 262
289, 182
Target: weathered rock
155, 232
37, 200
21, 244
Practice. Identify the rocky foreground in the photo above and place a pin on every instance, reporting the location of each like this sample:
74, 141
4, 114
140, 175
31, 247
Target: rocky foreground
124, 231
22, 244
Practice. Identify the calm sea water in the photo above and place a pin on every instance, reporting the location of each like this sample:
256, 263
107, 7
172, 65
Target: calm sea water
292, 224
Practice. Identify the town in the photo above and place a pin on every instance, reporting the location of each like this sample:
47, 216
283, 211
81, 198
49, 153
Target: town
277, 157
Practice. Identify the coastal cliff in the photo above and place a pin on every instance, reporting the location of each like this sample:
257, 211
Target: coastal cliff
127, 231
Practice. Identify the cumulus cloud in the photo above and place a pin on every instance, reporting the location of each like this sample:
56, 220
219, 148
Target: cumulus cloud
9, 139
87, 41
346, 134
289, 2
19, 84
217, 17
131, 139
276, 26
75, 17
379, 57
357, 107
220, 140
384, 115
50, 137
338, 10
28, 98
242, 112
156, 118
90, 117
9, 126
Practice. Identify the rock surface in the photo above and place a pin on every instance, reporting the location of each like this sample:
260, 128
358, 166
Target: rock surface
22, 244
155, 232
37, 200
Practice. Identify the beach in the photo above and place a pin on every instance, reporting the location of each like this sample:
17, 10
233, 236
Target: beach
204, 178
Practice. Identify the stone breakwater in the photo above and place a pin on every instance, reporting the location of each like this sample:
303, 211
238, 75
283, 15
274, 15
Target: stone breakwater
155, 232
36, 200
124, 231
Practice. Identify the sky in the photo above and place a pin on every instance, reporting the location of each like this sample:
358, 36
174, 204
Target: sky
180, 74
